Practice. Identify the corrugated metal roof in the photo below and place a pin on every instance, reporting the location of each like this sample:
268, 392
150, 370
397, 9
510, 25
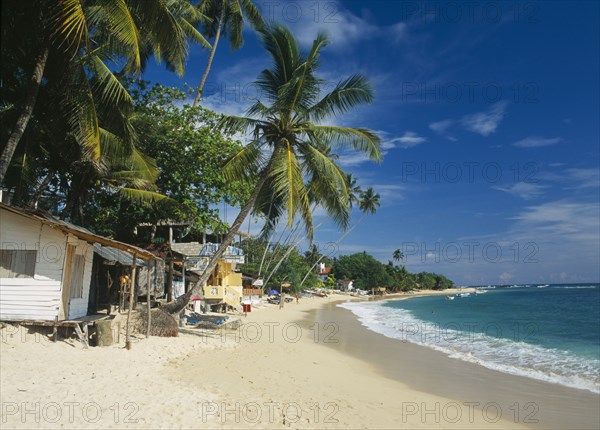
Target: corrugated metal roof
78, 231
112, 254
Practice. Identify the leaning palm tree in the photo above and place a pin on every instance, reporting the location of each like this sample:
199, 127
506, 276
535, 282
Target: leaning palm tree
227, 16
368, 203
285, 157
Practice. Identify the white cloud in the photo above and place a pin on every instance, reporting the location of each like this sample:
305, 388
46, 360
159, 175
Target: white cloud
525, 190
350, 159
505, 276
584, 178
408, 140
441, 126
306, 20
569, 220
537, 142
485, 123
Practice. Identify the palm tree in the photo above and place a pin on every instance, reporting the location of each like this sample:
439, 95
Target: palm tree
288, 144
227, 17
369, 201
71, 43
398, 255
354, 190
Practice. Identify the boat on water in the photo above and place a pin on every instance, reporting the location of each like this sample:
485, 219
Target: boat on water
464, 294
449, 297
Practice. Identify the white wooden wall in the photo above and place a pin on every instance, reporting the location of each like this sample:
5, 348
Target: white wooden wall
78, 307
38, 298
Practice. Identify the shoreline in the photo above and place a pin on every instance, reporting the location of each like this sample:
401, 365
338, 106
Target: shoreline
534, 403
309, 365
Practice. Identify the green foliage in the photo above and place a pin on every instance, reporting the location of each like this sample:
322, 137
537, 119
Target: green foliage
292, 270
367, 273
80, 135
331, 283
189, 152
363, 269
289, 149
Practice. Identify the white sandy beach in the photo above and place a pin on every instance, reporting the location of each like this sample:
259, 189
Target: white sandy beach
278, 370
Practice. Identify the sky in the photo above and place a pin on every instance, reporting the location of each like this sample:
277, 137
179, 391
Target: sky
489, 118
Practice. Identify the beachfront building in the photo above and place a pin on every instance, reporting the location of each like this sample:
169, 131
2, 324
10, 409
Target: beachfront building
46, 266
324, 272
223, 290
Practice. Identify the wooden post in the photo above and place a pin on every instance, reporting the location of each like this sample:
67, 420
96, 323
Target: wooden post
170, 279
148, 306
131, 289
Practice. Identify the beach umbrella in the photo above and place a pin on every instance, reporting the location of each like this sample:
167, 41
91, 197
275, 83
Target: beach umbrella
273, 293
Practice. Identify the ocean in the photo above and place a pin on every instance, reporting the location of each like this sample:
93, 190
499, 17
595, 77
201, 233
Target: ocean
545, 332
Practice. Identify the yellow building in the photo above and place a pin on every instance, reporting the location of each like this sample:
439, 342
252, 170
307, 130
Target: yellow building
224, 287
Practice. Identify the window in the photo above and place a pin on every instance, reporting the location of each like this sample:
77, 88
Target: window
77, 269
17, 264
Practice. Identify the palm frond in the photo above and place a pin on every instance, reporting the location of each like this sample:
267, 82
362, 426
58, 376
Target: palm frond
114, 20
253, 14
246, 164
357, 138
69, 24
143, 197
232, 124
110, 89
347, 94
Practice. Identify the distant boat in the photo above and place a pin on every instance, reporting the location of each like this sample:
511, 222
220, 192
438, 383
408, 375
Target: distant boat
543, 286
449, 297
464, 294
477, 292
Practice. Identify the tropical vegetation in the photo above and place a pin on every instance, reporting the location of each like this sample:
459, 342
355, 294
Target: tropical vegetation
287, 155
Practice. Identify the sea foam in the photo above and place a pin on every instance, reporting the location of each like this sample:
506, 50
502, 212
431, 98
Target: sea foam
497, 353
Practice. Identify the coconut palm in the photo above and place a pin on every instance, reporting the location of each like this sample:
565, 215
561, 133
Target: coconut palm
369, 201
354, 190
227, 16
398, 255
71, 43
286, 154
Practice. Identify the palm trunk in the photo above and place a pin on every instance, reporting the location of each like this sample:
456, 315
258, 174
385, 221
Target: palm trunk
210, 58
336, 243
23, 119
179, 304
33, 201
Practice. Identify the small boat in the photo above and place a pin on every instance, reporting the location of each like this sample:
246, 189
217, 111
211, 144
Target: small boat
449, 297
464, 294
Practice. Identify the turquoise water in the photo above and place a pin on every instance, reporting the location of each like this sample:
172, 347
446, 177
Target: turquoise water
550, 333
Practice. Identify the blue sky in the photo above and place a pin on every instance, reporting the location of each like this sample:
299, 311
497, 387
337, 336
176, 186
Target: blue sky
489, 115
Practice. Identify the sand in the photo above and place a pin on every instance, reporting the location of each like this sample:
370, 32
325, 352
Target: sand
296, 367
